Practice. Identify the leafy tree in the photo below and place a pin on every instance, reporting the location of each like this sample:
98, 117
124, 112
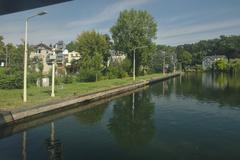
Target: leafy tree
185, 58
71, 46
93, 47
135, 28
118, 69
162, 53
220, 65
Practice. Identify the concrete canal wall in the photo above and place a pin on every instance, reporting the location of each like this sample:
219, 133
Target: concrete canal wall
9, 117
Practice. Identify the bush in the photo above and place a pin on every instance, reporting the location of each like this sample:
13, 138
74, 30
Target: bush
11, 81
33, 77
221, 65
89, 76
118, 69
68, 79
235, 66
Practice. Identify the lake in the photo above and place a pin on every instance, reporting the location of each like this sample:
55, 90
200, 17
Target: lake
195, 116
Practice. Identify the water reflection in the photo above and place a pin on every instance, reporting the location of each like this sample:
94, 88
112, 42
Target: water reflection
132, 124
24, 145
221, 88
54, 146
91, 116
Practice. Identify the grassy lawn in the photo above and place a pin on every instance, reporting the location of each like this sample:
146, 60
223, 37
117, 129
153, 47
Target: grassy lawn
10, 99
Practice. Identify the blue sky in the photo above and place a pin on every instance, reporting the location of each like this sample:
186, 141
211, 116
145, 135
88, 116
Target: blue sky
179, 21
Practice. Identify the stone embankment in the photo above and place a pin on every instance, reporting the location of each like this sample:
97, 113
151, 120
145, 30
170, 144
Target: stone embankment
9, 117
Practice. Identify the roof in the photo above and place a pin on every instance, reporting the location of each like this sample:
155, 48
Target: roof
11, 6
42, 45
214, 57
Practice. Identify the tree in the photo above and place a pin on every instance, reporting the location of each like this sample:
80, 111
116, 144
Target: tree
93, 46
220, 65
71, 46
94, 49
185, 58
135, 28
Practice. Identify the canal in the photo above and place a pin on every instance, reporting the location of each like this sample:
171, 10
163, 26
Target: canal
195, 116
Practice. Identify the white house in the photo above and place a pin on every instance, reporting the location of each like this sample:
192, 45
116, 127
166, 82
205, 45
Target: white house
42, 52
208, 61
116, 56
72, 56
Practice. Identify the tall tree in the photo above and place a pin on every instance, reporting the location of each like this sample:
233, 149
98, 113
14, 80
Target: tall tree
71, 46
94, 47
135, 28
185, 58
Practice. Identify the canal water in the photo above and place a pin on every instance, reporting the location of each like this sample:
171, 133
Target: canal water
195, 116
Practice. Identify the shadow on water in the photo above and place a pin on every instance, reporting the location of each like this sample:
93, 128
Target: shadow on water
91, 116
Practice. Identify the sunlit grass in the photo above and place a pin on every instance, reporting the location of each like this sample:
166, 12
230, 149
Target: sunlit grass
10, 99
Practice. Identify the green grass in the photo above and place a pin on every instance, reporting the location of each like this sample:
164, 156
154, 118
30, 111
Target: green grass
11, 99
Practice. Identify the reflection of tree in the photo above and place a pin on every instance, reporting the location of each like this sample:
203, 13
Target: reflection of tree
132, 124
201, 88
91, 116
163, 88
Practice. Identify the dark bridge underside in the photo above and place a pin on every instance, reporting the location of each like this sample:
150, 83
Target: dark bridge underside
11, 6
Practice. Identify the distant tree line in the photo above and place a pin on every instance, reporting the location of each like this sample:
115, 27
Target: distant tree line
191, 55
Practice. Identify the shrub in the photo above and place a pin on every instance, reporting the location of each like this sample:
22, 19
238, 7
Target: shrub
11, 81
118, 69
89, 76
33, 77
68, 79
221, 65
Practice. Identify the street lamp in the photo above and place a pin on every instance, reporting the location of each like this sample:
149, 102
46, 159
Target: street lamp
163, 69
25, 56
134, 59
53, 59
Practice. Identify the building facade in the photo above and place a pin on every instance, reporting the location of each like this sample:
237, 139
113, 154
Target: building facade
208, 61
41, 53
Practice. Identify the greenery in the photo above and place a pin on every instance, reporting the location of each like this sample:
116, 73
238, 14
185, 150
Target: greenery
221, 65
135, 28
13, 98
162, 53
225, 45
185, 58
118, 69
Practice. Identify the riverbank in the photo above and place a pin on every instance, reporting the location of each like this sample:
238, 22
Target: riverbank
12, 99
16, 114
